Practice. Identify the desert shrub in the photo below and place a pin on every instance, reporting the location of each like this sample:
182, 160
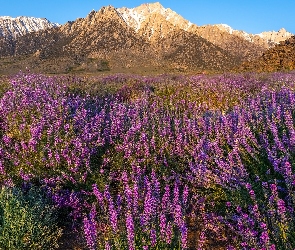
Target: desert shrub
27, 220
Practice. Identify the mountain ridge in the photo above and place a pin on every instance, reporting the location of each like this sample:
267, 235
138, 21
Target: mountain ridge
13, 27
135, 17
281, 57
148, 37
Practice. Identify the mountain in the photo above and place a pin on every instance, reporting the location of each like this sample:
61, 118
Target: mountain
275, 37
267, 39
135, 17
280, 57
104, 40
148, 38
84, 44
13, 28
170, 36
237, 46
19, 26
147, 20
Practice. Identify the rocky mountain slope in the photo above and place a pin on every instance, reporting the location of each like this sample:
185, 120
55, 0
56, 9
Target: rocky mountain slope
148, 37
150, 20
13, 28
103, 40
267, 39
280, 57
19, 26
135, 17
274, 37
237, 46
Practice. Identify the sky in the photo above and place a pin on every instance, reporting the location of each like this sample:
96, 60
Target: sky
252, 16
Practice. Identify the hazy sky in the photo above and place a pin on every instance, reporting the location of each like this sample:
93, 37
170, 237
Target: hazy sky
252, 16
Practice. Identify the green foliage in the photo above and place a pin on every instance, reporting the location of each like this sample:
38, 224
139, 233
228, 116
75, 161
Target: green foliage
4, 85
27, 220
104, 66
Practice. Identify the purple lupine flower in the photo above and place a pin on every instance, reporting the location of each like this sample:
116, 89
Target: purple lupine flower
153, 237
252, 194
24, 176
281, 207
107, 245
98, 195
90, 229
274, 189
163, 225
202, 240
239, 209
128, 195
178, 217
135, 198
130, 231
148, 205
156, 185
244, 244
113, 215
119, 204
169, 233
175, 194
264, 238
165, 203
272, 247
288, 168
183, 231
185, 194
2, 168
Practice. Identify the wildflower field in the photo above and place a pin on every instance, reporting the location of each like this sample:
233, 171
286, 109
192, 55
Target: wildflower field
132, 162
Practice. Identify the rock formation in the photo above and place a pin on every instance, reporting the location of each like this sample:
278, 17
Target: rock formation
280, 57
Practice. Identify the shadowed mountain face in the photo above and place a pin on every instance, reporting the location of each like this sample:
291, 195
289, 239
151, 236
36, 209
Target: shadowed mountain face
239, 47
280, 57
142, 39
13, 28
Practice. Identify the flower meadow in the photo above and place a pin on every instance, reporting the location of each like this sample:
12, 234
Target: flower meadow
134, 162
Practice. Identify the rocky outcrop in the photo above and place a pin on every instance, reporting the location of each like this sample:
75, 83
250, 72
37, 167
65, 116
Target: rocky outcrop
271, 38
280, 57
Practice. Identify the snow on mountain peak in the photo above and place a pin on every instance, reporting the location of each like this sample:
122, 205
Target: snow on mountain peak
270, 37
134, 17
13, 27
225, 27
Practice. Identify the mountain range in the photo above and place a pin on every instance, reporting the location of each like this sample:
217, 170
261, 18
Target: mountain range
281, 57
19, 26
148, 38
